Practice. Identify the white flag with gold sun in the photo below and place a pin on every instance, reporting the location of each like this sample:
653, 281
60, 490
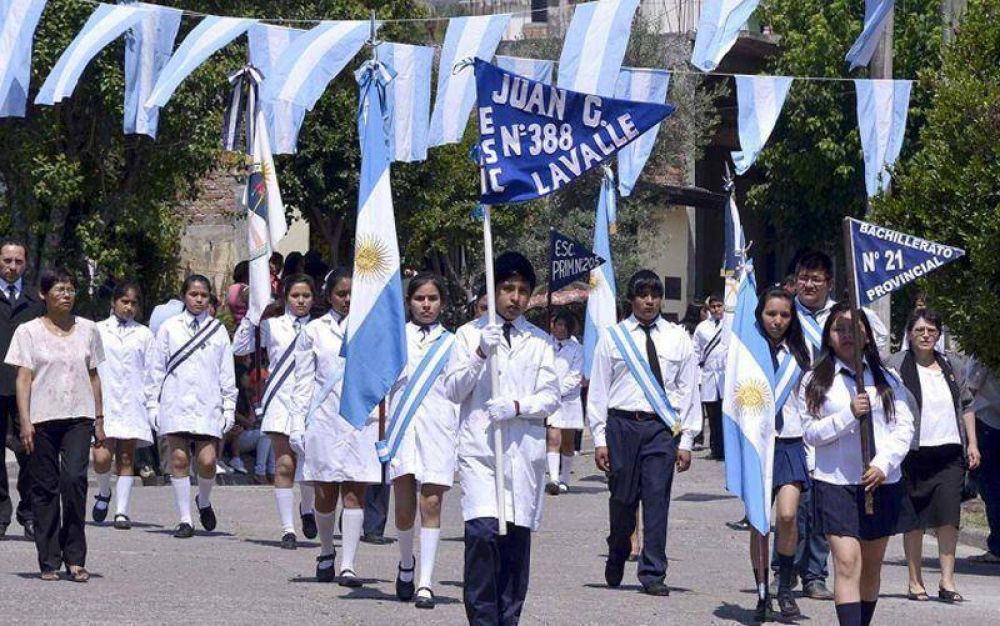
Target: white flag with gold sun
602, 311
748, 409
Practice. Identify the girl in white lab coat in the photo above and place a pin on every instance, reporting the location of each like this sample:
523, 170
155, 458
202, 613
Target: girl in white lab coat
127, 351
191, 397
278, 336
425, 449
340, 460
833, 415
568, 418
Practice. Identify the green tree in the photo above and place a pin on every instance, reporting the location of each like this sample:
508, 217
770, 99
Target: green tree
948, 190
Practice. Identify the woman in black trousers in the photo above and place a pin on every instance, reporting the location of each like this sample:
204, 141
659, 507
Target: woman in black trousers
944, 444
59, 401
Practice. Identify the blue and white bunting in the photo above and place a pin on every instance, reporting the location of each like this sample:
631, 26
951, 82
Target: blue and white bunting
18, 20
267, 43
882, 110
719, 26
147, 49
536, 69
375, 347
877, 14
595, 45
105, 24
466, 37
210, 35
408, 98
313, 60
748, 410
602, 309
639, 85
760, 100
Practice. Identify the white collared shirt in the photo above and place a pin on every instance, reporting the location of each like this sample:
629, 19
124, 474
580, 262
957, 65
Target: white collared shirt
878, 328
612, 385
277, 337
792, 423
18, 288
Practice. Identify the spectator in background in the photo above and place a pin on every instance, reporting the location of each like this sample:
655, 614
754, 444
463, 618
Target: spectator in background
275, 264
315, 266
985, 387
293, 265
790, 284
711, 346
237, 294
246, 435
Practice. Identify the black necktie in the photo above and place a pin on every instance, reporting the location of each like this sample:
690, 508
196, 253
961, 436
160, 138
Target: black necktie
654, 360
425, 332
779, 417
11, 293
506, 332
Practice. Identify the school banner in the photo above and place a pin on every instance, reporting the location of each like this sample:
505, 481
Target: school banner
535, 139
884, 260
569, 260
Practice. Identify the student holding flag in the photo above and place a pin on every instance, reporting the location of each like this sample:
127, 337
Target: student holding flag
278, 337
643, 409
421, 437
832, 415
191, 397
497, 566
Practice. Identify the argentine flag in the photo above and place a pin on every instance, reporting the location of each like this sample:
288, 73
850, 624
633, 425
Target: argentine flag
375, 349
601, 309
748, 409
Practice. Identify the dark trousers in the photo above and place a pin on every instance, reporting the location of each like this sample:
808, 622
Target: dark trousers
812, 550
10, 424
376, 509
713, 411
989, 480
642, 470
58, 469
496, 572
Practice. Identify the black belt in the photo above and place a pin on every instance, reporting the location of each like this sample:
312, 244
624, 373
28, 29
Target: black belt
637, 416
789, 439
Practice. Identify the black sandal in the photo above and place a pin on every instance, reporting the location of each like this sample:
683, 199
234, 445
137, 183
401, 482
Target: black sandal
50, 576
423, 602
917, 596
949, 597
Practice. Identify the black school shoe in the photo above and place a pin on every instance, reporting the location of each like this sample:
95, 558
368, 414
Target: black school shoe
97, 513
308, 525
206, 516
765, 610
184, 531
289, 542
658, 588
326, 574
613, 573
122, 522
424, 602
786, 603
404, 590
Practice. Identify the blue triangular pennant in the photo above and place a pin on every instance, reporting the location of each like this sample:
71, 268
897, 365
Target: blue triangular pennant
569, 260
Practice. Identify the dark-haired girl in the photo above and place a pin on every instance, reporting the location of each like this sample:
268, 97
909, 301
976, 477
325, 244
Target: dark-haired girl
832, 416
127, 349
790, 477
191, 397
59, 403
422, 437
562, 425
278, 336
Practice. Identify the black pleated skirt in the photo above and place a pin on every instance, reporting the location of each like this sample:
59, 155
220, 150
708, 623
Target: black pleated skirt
933, 478
790, 464
840, 510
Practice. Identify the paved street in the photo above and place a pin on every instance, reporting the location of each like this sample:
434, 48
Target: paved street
238, 575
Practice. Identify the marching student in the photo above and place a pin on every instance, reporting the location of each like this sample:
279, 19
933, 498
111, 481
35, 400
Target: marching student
710, 345
278, 336
191, 398
790, 475
497, 567
421, 437
340, 460
568, 418
128, 350
831, 410
643, 393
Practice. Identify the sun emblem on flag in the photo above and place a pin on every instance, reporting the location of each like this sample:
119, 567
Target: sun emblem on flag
752, 396
371, 258
595, 279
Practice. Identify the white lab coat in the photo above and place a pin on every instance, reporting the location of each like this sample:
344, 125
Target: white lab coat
429, 446
569, 364
200, 395
335, 451
527, 375
128, 351
714, 369
277, 335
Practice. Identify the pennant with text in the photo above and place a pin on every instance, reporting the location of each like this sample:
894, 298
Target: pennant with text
569, 260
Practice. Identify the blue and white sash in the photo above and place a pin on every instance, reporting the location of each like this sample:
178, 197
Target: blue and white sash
278, 376
416, 390
785, 379
655, 394
810, 327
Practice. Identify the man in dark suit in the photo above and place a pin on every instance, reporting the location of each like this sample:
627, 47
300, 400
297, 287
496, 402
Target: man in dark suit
17, 305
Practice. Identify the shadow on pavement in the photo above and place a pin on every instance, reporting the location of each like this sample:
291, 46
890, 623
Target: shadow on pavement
271, 543
197, 533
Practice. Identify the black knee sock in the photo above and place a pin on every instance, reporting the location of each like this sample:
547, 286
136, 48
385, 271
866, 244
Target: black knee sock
849, 614
867, 612
786, 571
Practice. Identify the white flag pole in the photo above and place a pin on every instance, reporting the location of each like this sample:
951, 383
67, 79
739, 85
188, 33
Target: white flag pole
498, 451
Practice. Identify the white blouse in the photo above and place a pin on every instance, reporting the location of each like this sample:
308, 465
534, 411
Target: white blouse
938, 425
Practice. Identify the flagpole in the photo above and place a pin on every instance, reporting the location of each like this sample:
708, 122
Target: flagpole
498, 450
548, 297
858, 364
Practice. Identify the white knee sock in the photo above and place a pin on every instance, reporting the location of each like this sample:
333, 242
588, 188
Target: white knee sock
205, 492
567, 467
406, 554
429, 538
553, 460
182, 497
285, 499
350, 535
308, 498
103, 487
324, 528
123, 489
